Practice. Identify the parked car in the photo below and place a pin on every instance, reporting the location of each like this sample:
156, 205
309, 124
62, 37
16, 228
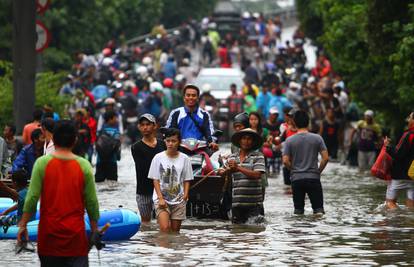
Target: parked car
220, 80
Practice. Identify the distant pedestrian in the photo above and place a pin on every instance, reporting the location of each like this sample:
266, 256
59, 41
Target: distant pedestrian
235, 101
300, 156
13, 144
28, 155
369, 134
28, 128
329, 130
48, 126
108, 147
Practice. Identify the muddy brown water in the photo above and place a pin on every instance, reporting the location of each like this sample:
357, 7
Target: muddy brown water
356, 230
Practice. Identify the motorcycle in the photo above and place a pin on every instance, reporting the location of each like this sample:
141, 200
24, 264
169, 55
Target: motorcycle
207, 190
197, 150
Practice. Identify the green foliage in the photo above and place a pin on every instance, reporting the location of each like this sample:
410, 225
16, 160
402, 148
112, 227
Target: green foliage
176, 11
6, 29
371, 44
310, 18
47, 88
48, 85
86, 26
402, 62
6, 92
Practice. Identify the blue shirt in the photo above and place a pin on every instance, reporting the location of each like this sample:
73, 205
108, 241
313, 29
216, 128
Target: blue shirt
187, 127
262, 103
280, 102
25, 160
170, 69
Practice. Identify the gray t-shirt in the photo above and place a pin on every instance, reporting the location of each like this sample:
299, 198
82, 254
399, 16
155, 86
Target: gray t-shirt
303, 150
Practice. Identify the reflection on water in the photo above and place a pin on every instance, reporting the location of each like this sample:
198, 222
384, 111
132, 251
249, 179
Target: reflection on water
356, 230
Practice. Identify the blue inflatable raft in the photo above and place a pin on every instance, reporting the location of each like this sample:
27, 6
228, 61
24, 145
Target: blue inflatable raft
124, 224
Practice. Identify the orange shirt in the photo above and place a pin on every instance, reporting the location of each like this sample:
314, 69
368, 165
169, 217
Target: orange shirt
27, 132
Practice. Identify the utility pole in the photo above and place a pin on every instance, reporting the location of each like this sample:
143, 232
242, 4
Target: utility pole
24, 61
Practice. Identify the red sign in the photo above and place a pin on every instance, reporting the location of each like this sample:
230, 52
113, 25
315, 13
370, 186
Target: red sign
42, 6
43, 37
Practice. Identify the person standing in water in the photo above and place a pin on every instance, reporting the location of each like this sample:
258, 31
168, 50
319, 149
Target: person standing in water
300, 156
247, 167
171, 173
403, 156
143, 152
65, 185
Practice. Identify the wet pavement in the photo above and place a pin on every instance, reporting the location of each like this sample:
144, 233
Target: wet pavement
356, 230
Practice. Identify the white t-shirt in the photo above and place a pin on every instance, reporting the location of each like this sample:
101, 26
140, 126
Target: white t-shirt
171, 172
48, 148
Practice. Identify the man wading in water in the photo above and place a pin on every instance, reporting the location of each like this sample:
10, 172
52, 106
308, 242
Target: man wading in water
246, 167
143, 152
65, 185
300, 156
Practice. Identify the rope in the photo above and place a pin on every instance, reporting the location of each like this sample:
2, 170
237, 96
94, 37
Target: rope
202, 180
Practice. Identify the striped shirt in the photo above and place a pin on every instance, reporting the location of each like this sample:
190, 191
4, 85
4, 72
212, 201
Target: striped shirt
247, 191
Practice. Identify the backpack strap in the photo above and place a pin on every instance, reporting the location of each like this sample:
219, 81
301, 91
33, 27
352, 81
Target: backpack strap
174, 119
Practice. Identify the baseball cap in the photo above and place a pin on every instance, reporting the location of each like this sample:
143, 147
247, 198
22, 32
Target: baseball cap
109, 101
274, 110
369, 113
148, 117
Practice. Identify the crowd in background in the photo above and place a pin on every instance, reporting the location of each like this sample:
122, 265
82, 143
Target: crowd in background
110, 90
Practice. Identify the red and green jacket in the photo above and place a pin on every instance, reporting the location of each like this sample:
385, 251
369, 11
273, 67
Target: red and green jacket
66, 188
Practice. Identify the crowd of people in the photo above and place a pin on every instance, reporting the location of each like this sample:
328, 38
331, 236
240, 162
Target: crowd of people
284, 113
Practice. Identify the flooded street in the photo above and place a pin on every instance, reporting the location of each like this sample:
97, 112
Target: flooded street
354, 231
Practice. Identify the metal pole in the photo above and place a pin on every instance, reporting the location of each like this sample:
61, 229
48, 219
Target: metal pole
24, 61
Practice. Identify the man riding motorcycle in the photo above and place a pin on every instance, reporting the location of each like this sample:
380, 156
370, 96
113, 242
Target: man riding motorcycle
191, 120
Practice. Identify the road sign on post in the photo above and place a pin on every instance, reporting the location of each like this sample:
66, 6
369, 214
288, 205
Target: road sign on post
42, 35
24, 61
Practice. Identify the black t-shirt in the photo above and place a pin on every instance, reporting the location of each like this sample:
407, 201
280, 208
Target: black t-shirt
143, 155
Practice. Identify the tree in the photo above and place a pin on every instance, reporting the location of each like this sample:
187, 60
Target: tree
370, 44
86, 26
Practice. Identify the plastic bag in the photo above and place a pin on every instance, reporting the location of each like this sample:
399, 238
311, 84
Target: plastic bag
267, 152
382, 166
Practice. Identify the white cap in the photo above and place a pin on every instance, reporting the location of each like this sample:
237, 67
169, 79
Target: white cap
274, 110
147, 61
179, 77
294, 85
156, 86
206, 88
246, 15
311, 79
369, 113
109, 101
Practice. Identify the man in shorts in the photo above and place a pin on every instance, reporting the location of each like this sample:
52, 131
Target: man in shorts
403, 156
143, 152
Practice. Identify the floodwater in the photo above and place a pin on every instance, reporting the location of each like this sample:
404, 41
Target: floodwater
356, 230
